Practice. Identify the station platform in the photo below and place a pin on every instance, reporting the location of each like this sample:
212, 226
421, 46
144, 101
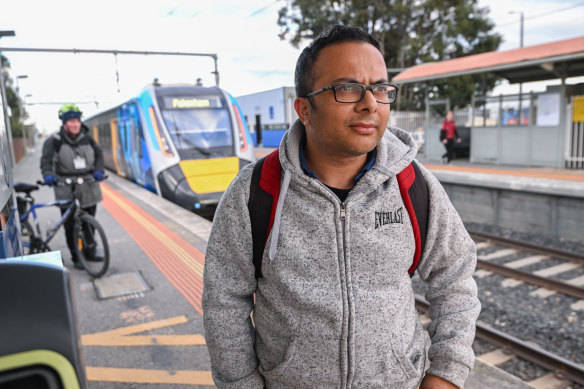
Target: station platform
533, 179
141, 324
530, 201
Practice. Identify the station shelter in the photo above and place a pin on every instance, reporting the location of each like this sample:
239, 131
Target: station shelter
531, 129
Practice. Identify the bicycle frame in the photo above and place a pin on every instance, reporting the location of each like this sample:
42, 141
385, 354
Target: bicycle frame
52, 231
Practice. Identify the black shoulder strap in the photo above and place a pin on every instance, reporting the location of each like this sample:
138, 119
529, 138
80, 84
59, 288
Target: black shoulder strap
57, 142
259, 206
420, 197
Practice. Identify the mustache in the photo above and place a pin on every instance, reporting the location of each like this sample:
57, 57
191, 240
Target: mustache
366, 119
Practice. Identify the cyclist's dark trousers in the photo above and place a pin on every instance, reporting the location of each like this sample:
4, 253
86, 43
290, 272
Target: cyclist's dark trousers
69, 229
450, 145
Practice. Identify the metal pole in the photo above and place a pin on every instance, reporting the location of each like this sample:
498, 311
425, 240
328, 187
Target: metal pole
6, 118
521, 32
20, 112
216, 72
520, 116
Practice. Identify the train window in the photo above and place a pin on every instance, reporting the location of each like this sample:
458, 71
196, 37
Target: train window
198, 128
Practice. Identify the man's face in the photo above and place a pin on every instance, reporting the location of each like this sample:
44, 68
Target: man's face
346, 129
73, 127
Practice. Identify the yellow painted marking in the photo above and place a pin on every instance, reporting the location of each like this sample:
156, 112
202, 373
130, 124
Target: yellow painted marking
144, 340
210, 175
143, 376
121, 336
191, 262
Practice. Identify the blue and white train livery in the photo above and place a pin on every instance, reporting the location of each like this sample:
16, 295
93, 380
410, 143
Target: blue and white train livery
183, 142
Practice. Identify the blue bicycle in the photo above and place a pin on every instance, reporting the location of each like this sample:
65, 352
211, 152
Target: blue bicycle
88, 234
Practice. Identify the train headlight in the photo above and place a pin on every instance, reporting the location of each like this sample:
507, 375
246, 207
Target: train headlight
163, 142
242, 137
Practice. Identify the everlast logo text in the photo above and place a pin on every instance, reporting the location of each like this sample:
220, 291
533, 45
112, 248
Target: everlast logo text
383, 218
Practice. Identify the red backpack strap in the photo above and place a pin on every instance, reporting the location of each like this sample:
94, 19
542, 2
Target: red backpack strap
414, 192
270, 182
263, 199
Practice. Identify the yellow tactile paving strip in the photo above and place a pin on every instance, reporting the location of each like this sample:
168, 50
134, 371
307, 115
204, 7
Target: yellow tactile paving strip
180, 262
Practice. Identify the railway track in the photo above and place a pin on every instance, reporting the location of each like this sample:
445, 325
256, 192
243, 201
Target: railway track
534, 253
561, 368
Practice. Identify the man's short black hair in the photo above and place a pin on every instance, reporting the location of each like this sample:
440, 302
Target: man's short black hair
303, 76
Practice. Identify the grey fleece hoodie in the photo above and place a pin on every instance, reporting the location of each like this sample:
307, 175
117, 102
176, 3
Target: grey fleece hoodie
335, 306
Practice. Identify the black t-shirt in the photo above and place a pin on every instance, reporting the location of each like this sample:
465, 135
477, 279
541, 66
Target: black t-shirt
341, 193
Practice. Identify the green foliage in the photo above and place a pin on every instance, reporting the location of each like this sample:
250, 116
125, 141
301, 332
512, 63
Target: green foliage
14, 101
411, 32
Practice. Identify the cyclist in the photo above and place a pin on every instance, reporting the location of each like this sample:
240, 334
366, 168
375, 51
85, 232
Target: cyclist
71, 153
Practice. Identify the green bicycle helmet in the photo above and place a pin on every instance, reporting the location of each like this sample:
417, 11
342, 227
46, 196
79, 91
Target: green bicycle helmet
69, 111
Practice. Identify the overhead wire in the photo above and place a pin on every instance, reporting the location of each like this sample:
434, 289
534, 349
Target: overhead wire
543, 14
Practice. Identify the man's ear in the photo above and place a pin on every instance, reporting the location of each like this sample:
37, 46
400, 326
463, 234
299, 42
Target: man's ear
303, 109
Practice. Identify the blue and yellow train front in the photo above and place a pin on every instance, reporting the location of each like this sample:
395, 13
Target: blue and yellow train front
203, 141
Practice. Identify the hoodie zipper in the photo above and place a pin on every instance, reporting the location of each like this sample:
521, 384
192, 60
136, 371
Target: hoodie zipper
343, 218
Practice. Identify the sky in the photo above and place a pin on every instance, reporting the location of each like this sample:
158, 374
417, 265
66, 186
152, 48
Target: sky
243, 34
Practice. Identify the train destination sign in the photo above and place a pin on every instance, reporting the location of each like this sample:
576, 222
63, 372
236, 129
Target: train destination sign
193, 102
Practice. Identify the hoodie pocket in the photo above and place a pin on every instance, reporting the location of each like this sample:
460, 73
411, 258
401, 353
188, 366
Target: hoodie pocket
382, 364
307, 363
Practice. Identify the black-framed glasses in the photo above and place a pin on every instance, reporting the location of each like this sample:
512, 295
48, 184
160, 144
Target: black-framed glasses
352, 92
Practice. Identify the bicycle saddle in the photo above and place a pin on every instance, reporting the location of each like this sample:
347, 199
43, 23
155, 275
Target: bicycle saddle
25, 188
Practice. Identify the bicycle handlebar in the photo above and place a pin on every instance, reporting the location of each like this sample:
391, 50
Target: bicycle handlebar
78, 180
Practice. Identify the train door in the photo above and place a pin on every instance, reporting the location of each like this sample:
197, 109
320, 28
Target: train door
125, 142
117, 149
140, 156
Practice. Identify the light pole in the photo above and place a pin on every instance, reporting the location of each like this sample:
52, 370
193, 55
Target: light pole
520, 46
20, 110
4, 102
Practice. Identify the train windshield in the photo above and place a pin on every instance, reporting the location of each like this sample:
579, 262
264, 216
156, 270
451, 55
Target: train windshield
201, 125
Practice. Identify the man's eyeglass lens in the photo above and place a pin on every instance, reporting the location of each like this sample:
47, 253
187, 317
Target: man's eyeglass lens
352, 93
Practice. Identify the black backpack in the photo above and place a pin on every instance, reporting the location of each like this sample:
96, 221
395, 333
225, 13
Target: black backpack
265, 190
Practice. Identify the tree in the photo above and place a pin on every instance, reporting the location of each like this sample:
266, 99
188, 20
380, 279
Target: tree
18, 113
411, 32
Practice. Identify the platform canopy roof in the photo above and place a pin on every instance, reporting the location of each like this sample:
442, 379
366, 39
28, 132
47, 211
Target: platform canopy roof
554, 60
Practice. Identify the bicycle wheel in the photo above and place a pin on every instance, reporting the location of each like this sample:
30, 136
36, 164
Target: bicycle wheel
31, 243
91, 245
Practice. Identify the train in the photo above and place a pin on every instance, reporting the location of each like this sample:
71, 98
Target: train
185, 143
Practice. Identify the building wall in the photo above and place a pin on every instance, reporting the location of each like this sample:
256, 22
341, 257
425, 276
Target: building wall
276, 112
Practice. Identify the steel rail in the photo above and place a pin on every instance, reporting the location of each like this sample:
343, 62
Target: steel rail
562, 367
558, 286
529, 246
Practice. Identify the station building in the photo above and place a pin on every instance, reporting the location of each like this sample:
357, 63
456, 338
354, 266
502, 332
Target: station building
532, 129
269, 114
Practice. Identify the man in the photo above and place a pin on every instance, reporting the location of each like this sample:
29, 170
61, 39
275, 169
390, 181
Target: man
73, 153
447, 135
334, 307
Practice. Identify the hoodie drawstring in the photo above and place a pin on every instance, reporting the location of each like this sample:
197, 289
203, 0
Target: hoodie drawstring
278, 216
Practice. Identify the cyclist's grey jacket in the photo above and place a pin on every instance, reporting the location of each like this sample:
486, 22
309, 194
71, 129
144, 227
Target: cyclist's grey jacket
335, 307
66, 157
